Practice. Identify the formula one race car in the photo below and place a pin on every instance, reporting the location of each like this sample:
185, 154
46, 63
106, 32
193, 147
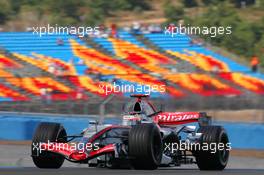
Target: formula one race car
147, 139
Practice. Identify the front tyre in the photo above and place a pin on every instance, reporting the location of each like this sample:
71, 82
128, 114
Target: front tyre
217, 158
52, 132
145, 146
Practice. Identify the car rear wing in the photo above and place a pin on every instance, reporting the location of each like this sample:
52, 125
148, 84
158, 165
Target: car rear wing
176, 118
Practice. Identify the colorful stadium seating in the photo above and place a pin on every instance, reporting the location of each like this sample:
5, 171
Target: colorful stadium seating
38, 63
108, 66
202, 84
4, 74
36, 86
151, 60
66, 68
6, 62
7, 94
90, 85
144, 58
26, 43
181, 46
251, 83
132, 63
204, 62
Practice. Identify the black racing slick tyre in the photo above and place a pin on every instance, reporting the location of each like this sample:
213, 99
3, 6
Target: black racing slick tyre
52, 132
145, 146
217, 154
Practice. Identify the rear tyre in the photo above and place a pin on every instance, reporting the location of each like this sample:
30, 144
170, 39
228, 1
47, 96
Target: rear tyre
52, 132
145, 146
214, 136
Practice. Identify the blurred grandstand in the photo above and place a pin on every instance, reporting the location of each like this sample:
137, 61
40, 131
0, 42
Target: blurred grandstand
40, 75
62, 73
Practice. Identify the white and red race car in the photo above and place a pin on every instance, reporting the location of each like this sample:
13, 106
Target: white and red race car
146, 139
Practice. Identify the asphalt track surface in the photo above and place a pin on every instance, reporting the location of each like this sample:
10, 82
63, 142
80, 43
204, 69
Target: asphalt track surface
15, 160
99, 171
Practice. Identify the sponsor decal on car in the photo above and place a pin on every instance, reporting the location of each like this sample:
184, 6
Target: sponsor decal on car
177, 116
